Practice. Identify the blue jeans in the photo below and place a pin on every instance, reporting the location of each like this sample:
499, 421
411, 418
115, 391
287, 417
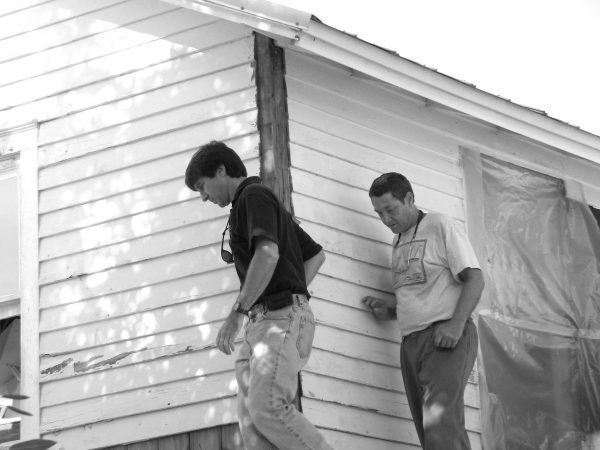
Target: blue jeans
276, 346
435, 380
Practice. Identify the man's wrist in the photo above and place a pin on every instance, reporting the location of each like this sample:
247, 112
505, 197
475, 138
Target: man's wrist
459, 321
237, 308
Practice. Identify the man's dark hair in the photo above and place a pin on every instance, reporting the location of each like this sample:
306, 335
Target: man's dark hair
392, 182
207, 160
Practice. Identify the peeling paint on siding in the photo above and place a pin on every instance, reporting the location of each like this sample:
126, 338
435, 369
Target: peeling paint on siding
57, 368
79, 367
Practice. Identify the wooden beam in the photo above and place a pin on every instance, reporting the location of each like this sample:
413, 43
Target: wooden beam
273, 118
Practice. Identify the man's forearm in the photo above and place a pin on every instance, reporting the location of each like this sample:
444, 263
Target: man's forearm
470, 295
312, 266
260, 271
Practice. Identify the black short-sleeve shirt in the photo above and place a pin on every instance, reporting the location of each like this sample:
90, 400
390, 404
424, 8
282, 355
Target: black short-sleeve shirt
257, 213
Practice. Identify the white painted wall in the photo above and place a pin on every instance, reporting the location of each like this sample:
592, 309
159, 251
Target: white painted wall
132, 288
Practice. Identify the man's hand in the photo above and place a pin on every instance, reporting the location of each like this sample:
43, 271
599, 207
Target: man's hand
446, 334
229, 331
381, 309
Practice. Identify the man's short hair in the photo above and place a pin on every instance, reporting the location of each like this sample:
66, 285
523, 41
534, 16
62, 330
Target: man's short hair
392, 182
207, 160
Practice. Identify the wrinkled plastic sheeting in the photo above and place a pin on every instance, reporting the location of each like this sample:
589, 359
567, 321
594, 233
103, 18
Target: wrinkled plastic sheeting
540, 342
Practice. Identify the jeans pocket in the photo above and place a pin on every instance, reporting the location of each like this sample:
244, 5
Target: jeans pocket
306, 334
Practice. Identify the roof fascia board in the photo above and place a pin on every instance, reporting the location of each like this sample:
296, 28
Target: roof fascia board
264, 16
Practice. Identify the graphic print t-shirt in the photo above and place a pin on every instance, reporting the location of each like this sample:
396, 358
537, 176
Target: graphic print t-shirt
425, 271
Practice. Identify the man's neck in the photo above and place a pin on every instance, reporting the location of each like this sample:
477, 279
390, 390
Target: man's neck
234, 183
414, 217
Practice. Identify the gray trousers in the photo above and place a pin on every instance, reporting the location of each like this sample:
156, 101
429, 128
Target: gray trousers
435, 380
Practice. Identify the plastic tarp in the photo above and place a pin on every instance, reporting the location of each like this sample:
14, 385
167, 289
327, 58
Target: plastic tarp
540, 340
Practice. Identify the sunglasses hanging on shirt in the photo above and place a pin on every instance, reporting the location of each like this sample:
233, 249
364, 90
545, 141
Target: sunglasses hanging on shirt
226, 255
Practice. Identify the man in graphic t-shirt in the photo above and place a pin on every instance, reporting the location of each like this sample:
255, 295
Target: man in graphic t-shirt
438, 283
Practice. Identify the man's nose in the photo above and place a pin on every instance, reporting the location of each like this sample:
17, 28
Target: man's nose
204, 196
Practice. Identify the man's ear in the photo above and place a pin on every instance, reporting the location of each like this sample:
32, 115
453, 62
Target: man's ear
409, 199
221, 171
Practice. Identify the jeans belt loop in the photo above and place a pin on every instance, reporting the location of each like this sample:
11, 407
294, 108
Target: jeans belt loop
299, 299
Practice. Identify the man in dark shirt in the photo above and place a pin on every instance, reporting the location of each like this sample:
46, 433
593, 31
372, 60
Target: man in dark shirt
275, 260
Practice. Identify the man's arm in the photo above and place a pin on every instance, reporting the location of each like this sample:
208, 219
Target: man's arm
312, 266
261, 269
448, 333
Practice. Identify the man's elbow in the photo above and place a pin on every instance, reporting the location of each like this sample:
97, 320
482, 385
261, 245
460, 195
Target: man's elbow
476, 277
320, 258
268, 252
473, 276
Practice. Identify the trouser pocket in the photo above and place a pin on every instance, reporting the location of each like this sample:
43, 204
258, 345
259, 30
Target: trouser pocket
306, 334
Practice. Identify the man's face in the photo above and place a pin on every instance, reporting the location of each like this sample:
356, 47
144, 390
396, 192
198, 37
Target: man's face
396, 215
215, 189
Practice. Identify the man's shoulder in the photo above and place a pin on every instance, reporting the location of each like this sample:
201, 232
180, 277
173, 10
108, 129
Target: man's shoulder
258, 194
441, 223
438, 219
257, 189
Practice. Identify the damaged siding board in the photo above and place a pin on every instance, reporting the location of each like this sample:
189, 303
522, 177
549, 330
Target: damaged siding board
132, 289
133, 374
346, 130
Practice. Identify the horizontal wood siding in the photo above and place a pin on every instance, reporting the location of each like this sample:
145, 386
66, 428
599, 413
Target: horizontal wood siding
344, 132
132, 286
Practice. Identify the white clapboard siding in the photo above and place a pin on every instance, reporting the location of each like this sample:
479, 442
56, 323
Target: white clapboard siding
129, 227
142, 298
121, 62
173, 69
22, 16
167, 397
132, 286
134, 326
344, 132
133, 251
113, 14
196, 93
124, 204
139, 427
140, 151
94, 139
97, 45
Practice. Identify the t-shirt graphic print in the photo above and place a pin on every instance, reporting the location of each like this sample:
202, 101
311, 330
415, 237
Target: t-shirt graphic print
409, 266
